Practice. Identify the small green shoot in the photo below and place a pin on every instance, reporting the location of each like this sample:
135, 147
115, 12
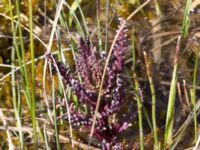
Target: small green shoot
153, 93
186, 19
193, 97
171, 101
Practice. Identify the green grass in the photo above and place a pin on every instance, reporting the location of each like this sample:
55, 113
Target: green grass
140, 116
55, 116
77, 21
107, 23
17, 107
73, 8
153, 93
138, 99
194, 98
186, 19
33, 98
43, 127
172, 96
23, 70
170, 111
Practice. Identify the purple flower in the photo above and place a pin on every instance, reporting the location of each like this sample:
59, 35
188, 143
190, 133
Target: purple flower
88, 65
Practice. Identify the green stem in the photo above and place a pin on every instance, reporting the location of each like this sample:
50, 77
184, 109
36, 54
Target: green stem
139, 105
99, 23
152, 88
171, 101
55, 116
193, 97
33, 107
83, 18
14, 101
186, 19
107, 21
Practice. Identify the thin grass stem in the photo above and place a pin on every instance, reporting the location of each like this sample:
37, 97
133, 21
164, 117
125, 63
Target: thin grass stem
107, 23
193, 97
153, 93
77, 22
33, 105
14, 101
55, 116
83, 18
22, 68
139, 102
47, 146
186, 19
134, 66
140, 116
98, 13
172, 95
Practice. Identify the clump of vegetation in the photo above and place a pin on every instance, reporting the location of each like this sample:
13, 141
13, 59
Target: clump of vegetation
89, 66
137, 88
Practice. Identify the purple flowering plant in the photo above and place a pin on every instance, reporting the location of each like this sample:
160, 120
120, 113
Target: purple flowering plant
89, 65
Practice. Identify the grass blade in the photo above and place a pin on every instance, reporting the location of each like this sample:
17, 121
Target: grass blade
193, 97
55, 115
153, 93
14, 101
33, 105
171, 101
139, 106
186, 19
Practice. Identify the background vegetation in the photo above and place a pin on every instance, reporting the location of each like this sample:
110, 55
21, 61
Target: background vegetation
161, 74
